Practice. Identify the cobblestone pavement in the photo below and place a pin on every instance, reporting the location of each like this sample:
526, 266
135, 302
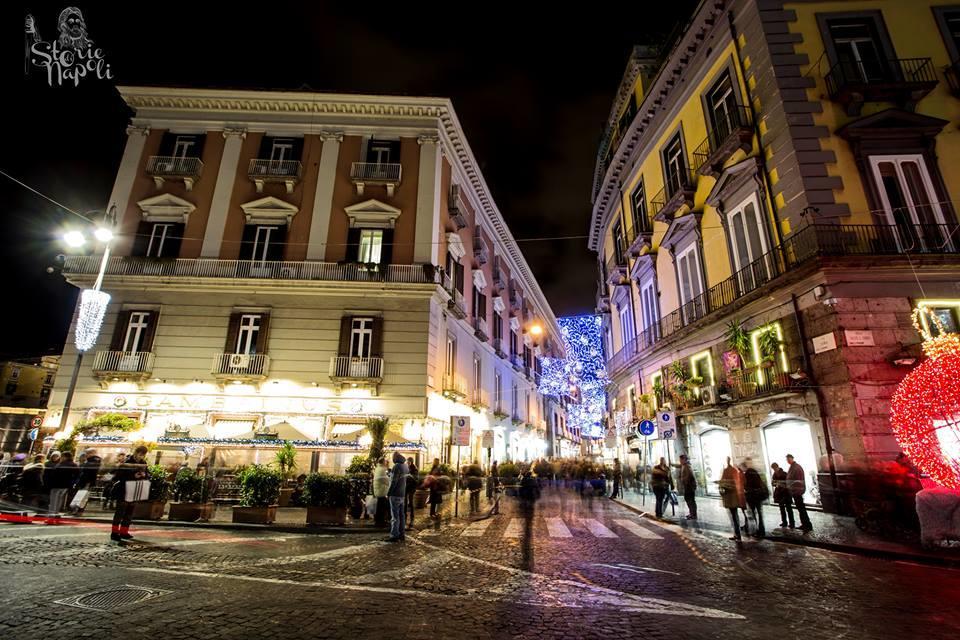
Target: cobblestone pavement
586, 570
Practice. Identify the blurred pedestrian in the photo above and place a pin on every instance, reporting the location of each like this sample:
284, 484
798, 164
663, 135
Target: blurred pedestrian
529, 493
756, 492
661, 483
474, 476
381, 484
62, 479
413, 480
731, 488
134, 468
796, 482
688, 485
492, 480
397, 494
781, 495
432, 484
617, 480
31, 482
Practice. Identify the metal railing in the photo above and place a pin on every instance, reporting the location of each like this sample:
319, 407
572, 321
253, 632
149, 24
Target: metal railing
755, 382
454, 386
683, 182
721, 135
617, 262
351, 368
375, 172
480, 252
481, 329
240, 365
456, 208
456, 303
827, 240
879, 74
478, 398
174, 166
277, 169
634, 231
517, 361
265, 269
514, 298
123, 362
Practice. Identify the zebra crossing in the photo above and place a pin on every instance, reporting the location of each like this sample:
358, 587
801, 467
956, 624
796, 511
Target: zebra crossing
555, 527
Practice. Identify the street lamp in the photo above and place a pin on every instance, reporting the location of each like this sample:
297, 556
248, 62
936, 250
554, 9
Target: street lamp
93, 303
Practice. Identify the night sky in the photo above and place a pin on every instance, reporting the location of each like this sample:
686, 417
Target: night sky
532, 91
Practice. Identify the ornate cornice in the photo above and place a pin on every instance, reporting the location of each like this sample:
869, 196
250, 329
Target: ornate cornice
136, 129
331, 136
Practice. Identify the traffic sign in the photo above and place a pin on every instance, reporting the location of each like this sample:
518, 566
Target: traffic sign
646, 427
36, 421
33, 433
487, 440
460, 428
667, 422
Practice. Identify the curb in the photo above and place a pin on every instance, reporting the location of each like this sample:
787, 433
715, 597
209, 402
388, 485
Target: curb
882, 554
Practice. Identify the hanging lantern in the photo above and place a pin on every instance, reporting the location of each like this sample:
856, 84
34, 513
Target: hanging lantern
93, 306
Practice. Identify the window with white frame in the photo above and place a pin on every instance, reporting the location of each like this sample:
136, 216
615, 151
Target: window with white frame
477, 378
361, 337
371, 245
248, 333
497, 391
515, 401
749, 243
627, 332
649, 314
688, 272
162, 236
136, 336
906, 190
451, 357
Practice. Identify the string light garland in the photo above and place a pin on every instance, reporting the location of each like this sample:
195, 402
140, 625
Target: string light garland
925, 408
581, 375
93, 307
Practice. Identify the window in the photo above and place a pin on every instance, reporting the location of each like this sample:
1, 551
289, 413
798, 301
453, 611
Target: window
749, 243
907, 195
248, 333
383, 151
723, 109
701, 366
184, 146
627, 332
371, 244
479, 303
281, 149
688, 272
451, 357
649, 315
514, 404
674, 164
497, 329
513, 343
632, 401
497, 391
656, 384
262, 243
618, 243
477, 378
529, 410
527, 357
755, 347
948, 19
858, 48
455, 271
361, 337
948, 311
136, 331
638, 202
158, 240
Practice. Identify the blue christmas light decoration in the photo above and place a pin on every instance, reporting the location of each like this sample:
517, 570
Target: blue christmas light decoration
581, 375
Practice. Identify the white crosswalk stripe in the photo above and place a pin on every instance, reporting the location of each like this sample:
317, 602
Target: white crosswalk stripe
477, 528
598, 529
636, 529
514, 529
557, 528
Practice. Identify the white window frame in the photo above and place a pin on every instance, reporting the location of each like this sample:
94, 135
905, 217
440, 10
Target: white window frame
165, 229
248, 332
692, 256
361, 337
281, 149
371, 245
182, 145
136, 331
741, 209
477, 377
898, 161
498, 391
627, 328
261, 242
450, 362
649, 311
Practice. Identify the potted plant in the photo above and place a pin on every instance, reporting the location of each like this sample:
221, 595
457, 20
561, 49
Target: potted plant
499, 415
259, 491
377, 428
738, 340
327, 496
190, 497
681, 384
360, 473
286, 461
769, 344
152, 508
508, 477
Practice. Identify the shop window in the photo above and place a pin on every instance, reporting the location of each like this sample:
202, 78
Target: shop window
947, 311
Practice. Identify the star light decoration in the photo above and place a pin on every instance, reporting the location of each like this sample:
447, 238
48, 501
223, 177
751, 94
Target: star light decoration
581, 375
925, 408
93, 306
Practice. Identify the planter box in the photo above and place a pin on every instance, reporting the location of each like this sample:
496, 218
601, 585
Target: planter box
190, 511
286, 498
255, 515
326, 515
148, 509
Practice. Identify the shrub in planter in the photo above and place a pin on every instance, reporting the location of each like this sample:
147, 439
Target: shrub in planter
189, 494
327, 496
259, 491
152, 508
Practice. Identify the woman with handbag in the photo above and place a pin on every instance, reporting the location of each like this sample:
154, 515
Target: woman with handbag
133, 469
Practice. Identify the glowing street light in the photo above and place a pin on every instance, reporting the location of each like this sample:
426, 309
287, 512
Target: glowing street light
536, 330
74, 238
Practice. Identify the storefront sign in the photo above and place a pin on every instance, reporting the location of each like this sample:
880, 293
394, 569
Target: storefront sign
858, 338
242, 403
824, 343
460, 430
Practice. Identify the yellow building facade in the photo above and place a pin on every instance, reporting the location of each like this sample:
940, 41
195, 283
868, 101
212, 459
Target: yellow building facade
772, 197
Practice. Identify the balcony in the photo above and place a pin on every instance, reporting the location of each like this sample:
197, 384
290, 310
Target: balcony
134, 266
379, 173
603, 298
240, 367
479, 400
162, 168
480, 329
730, 134
517, 361
456, 305
514, 299
499, 281
639, 237
903, 81
457, 209
125, 365
679, 191
820, 241
617, 269
761, 382
262, 171
481, 254
350, 371
454, 388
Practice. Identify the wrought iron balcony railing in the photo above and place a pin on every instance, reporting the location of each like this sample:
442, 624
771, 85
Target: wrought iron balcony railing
903, 81
240, 366
386, 173
264, 170
730, 132
480, 329
136, 364
351, 368
678, 191
454, 387
183, 168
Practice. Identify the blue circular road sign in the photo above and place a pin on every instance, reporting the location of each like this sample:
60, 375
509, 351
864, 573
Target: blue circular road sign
647, 427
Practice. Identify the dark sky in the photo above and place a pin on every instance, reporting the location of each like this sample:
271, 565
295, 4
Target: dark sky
532, 91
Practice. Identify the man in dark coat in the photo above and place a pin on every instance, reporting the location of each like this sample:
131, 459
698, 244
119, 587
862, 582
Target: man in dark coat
796, 482
756, 493
133, 468
781, 495
688, 484
528, 493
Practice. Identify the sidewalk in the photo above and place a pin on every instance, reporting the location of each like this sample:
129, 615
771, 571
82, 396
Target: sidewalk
833, 532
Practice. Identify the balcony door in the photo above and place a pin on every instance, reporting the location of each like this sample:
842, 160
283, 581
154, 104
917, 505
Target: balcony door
649, 316
361, 337
618, 243
248, 334
749, 244
627, 331
910, 203
859, 49
262, 244
722, 101
691, 284
675, 165
184, 147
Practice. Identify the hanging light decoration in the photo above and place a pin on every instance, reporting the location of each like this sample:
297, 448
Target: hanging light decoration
925, 409
93, 307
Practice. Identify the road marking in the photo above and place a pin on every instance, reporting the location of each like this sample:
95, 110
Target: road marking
633, 569
598, 529
637, 530
189, 543
514, 529
557, 528
477, 529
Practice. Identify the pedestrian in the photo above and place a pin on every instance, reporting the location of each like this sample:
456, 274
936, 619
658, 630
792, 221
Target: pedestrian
413, 479
109, 501
661, 483
397, 493
381, 484
493, 479
688, 485
756, 492
31, 482
10, 481
134, 468
62, 479
796, 482
731, 488
781, 495
528, 493
617, 480
474, 476
432, 484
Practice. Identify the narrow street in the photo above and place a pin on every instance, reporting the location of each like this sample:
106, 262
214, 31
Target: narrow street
587, 570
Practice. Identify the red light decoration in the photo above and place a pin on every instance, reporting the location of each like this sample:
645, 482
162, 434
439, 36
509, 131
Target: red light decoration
925, 409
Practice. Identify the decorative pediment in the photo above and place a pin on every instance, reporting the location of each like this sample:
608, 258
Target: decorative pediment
166, 207
515, 323
643, 266
269, 210
479, 280
372, 214
498, 304
621, 297
680, 230
732, 182
892, 123
455, 246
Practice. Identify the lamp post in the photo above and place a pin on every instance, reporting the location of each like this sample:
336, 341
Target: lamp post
93, 304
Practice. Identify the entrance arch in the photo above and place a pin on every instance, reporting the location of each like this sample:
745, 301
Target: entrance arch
714, 450
791, 434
